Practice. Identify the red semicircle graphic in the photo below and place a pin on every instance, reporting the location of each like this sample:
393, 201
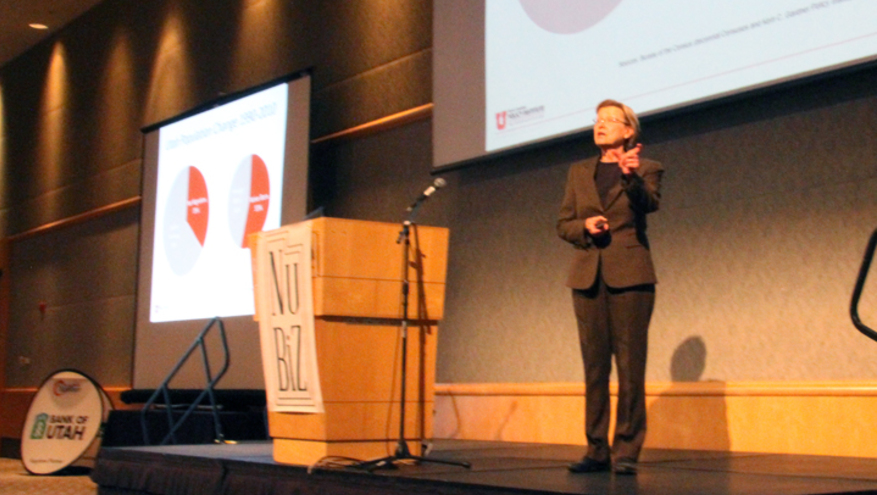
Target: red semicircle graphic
198, 207
260, 197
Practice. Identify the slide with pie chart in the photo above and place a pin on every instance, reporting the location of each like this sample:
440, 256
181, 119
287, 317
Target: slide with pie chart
548, 63
220, 176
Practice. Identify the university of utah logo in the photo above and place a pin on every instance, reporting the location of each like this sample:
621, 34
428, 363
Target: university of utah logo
501, 119
61, 387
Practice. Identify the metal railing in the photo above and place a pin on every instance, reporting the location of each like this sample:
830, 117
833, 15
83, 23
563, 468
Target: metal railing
164, 392
860, 284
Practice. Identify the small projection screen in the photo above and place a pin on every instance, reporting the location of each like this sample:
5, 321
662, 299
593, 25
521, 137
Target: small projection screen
514, 73
210, 178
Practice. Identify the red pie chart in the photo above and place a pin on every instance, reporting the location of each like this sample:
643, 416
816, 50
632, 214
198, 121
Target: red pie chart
187, 214
249, 199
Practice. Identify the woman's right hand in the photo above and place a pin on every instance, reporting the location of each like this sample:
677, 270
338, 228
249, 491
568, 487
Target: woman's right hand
597, 225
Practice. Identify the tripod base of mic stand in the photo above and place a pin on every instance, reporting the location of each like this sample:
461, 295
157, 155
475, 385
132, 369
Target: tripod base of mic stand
403, 454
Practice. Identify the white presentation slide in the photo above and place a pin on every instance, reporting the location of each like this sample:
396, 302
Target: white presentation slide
550, 62
220, 177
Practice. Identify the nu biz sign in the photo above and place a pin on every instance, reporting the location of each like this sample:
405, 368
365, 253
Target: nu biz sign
285, 310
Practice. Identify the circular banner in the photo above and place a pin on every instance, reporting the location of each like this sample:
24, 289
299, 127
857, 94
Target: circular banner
64, 423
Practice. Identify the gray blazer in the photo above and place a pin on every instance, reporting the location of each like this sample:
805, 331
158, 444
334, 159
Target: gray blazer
622, 255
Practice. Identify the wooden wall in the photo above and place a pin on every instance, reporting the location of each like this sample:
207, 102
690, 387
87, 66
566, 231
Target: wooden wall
808, 418
70, 148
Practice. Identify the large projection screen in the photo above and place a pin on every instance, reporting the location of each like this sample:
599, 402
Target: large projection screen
210, 177
515, 73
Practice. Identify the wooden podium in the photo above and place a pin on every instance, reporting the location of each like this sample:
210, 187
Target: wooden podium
357, 289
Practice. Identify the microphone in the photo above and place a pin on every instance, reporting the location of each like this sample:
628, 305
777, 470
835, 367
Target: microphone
435, 186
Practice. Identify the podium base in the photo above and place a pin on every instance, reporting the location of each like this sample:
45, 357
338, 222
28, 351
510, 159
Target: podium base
307, 452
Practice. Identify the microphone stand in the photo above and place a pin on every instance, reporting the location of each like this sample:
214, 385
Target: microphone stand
402, 452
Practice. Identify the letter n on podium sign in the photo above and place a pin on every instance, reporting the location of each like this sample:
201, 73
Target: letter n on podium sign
285, 310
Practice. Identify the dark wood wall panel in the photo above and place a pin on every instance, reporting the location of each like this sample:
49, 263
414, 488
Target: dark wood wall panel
72, 303
74, 105
73, 108
395, 87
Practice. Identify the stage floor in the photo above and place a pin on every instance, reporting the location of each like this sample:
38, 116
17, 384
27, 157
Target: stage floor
497, 467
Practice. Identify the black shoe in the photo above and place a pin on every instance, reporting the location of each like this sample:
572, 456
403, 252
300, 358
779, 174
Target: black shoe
588, 465
624, 467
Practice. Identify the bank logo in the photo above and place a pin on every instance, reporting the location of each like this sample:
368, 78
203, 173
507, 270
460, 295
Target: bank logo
39, 427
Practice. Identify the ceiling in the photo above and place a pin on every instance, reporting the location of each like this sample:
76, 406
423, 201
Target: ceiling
15, 15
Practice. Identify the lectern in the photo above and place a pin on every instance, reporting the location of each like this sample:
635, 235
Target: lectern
357, 274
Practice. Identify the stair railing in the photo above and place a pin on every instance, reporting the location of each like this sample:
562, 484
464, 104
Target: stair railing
860, 284
208, 392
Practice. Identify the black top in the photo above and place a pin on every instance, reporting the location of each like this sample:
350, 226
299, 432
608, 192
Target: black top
607, 175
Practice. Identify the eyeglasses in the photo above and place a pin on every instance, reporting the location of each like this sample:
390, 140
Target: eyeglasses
609, 121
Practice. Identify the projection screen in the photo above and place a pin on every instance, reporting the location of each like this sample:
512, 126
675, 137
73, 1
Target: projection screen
211, 177
514, 73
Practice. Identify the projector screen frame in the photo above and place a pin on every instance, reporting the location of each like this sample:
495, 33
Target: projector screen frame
158, 346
